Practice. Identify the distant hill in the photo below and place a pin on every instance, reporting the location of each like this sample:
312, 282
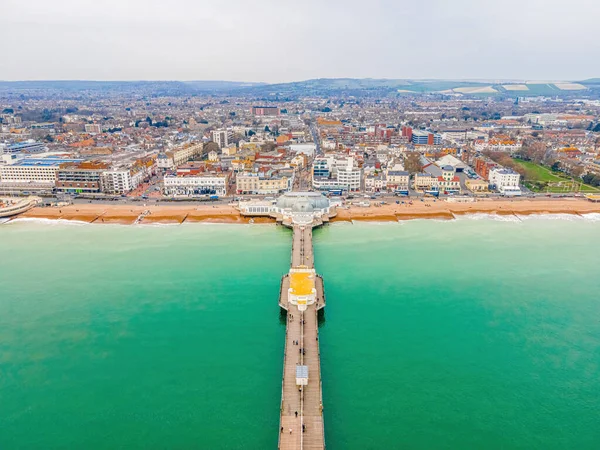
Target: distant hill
394, 87
319, 87
590, 81
145, 87
357, 87
220, 85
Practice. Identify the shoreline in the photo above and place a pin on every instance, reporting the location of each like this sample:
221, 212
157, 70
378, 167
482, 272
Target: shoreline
438, 210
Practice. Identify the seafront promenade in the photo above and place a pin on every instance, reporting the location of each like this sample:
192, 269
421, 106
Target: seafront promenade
301, 416
108, 213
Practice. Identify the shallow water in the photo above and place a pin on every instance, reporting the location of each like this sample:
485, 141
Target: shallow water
437, 334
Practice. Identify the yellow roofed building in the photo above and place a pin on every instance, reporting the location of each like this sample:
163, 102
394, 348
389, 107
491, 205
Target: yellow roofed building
302, 291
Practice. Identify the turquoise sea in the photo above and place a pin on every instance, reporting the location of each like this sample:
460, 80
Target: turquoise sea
465, 334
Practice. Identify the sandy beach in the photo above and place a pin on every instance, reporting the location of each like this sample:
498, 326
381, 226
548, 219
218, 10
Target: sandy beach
173, 214
440, 209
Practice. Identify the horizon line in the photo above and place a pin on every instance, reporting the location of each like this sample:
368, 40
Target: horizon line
149, 80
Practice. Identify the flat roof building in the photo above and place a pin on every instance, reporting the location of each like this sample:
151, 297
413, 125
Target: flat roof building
80, 177
302, 291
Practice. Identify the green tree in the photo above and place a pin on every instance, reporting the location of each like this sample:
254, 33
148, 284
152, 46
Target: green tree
46, 115
412, 162
268, 147
210, 147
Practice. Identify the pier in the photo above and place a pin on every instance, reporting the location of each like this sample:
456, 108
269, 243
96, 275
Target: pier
301, 300
301, 415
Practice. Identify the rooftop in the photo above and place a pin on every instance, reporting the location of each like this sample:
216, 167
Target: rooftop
302, 283
303, 201
45, 162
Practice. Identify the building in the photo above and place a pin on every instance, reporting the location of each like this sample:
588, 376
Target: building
121, 181
302, 291
43, 126
455, 134
593, 167
477, 186
336, 173
425, 182
195, 183
498, 145
222, 137
483, 167
32, 173
321, 168
230, 150
164, 162
26, 147
179, 155
308, 149
81, 177
448, 182
376, 182
398, 180
450, 160
254, 183
349, 175
265, 111
93, 128
302, 208
506, 181
186, 153
299, 161
420, 137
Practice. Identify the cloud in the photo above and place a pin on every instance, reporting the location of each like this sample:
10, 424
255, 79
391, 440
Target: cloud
281, 40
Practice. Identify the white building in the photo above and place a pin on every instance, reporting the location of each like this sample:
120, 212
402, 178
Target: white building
195, 185
505, 181
498, 145
349, 175
31, 173
222, 137
121, 181
163, 161
186, 153
303, 208
308, 149
336, 173
179, 155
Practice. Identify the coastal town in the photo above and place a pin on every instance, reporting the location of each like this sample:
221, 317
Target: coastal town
105, 157
299, 225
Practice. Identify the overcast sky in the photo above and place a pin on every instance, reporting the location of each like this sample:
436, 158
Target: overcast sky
281, 40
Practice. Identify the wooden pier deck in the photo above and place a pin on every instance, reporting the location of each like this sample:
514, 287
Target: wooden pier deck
301, 417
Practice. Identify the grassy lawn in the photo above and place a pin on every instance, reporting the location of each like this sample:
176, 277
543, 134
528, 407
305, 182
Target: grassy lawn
536, 172
552, 181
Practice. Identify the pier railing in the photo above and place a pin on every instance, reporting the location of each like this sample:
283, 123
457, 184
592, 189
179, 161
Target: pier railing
320, 374
283, 377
